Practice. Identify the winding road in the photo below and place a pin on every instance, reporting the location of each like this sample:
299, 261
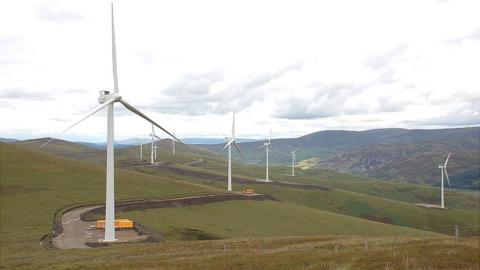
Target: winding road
79, 233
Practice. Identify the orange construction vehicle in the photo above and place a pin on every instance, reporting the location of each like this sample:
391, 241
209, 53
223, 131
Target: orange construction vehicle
120, 224
248, 191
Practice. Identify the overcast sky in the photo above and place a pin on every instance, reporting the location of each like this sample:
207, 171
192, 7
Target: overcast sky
291, 66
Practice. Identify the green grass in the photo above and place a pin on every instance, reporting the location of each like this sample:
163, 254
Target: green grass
261, 219
35, 184
369, 207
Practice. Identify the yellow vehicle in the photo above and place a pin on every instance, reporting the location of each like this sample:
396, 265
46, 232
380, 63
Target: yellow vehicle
120, 224
248, 191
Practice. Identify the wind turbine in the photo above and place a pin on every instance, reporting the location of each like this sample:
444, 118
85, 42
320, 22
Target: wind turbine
172, 145
267, 146
294, 160
153, 152
108, 99
443, 168
231, 141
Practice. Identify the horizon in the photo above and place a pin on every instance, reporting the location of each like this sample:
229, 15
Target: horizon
241, 139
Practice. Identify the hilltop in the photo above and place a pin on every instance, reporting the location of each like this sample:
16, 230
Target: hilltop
389, 154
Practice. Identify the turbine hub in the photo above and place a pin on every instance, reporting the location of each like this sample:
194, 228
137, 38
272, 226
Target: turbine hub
106, 95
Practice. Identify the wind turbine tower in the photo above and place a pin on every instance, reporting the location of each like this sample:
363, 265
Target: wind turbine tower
231, 141
172, 145
443, 168
294, 160
267, 146
153, 152
108, 100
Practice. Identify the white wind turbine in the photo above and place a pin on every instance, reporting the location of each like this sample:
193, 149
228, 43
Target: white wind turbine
172, 144
294, 160
153, 152
108, 99
267, 146
443, 168
231, 141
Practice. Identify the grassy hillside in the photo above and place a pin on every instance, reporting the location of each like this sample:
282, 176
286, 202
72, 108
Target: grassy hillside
260, 219
184, 153
35, 184
370, 207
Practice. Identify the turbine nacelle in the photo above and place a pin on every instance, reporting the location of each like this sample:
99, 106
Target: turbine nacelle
106, 95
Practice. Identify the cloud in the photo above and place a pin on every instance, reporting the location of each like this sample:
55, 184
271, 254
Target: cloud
323, 101
475, 35
55, 14
146, 57
216, 92
20, 93
10, 50
385, 58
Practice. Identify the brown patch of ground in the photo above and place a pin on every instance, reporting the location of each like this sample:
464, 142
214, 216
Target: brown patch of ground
379, 219
91, 214
221, 178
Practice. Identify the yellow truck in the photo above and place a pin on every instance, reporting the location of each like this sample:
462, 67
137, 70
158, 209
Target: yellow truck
120, 224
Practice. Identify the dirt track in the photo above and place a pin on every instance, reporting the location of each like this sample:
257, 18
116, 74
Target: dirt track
215, 177
79, 224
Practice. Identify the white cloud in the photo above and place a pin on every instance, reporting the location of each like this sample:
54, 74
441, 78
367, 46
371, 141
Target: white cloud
293, 66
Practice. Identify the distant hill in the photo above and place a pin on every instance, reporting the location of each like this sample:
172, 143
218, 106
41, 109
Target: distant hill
138, 141
390, 154
7, 140
208, 141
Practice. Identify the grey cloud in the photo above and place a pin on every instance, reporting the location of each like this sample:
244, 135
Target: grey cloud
328, 101
475, 35
146, 57
54, 14
383, 59
466, 114
261, 79
60, 119
449, 120
196, 94
11, 50
20, 93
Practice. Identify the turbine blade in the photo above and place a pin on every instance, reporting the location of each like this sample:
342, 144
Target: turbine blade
233, 125
139, 113
238, 149
446, 174
114, 56
447, 159
98, 108
297, 148
157, 137
226, 145
263, 145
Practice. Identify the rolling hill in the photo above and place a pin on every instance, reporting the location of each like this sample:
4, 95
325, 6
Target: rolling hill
34, 184
389, 154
